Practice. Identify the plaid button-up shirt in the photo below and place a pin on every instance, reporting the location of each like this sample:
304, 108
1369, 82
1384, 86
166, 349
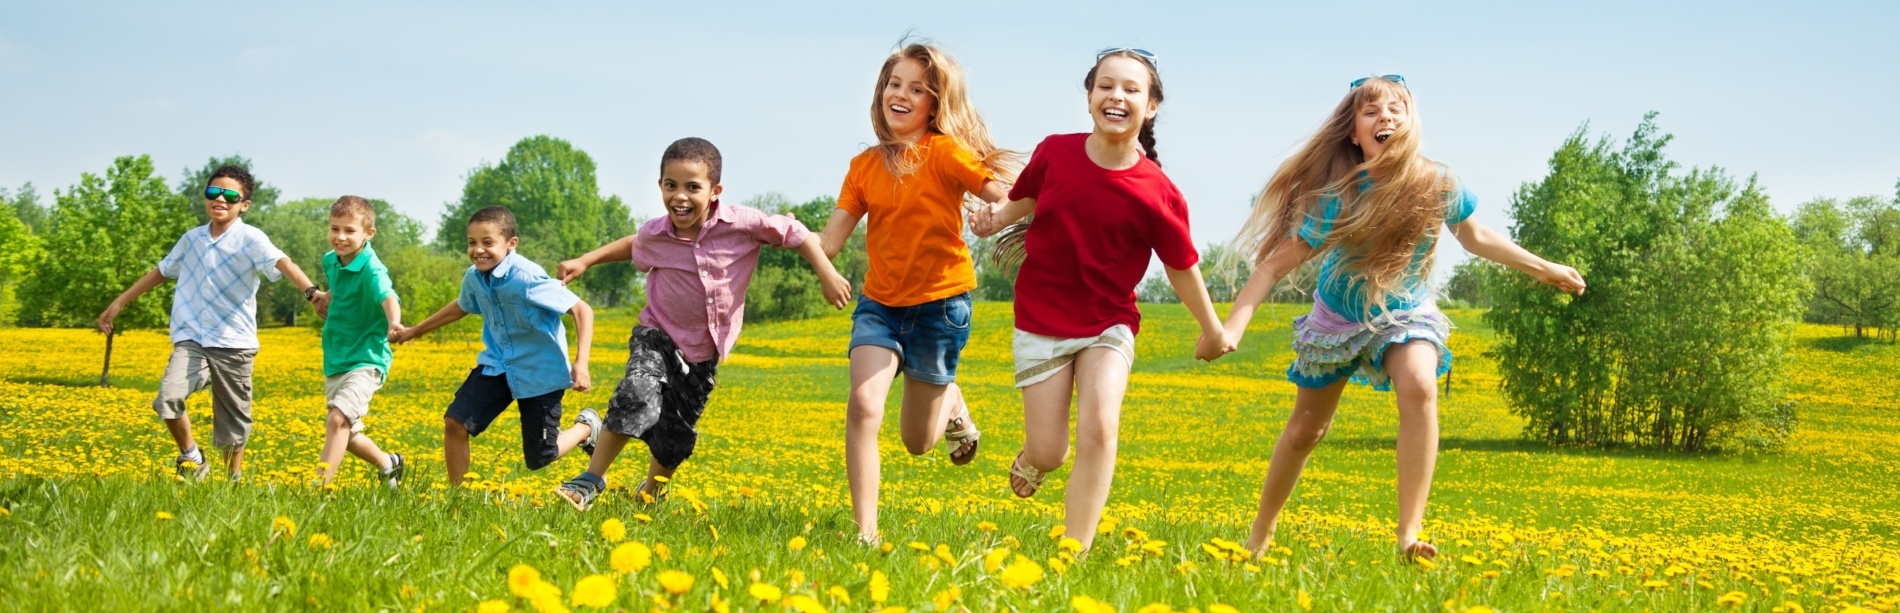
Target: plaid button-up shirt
215, 304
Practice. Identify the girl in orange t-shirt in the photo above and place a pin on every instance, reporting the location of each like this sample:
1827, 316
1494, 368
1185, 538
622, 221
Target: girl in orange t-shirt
933, 151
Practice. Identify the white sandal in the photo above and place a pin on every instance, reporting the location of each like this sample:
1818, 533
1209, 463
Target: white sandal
1029, 474
962, 431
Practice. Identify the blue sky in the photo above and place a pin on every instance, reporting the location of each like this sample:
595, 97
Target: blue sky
400, 102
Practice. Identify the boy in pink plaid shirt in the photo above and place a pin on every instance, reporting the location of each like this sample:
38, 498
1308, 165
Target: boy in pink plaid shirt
699, 259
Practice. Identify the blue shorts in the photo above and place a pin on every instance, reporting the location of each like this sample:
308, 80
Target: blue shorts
928, 337
482, 398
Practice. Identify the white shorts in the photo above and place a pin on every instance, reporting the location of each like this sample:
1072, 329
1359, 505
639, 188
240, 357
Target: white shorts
1039, 357
349, 393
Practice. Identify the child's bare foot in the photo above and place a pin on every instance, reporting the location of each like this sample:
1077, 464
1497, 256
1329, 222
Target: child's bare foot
1417, 550
1259, 545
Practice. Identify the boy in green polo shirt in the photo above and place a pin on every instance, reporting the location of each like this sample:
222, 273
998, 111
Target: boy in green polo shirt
363, 312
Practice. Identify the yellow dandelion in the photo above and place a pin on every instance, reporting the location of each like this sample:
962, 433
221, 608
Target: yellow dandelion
797, 543
163, 516
838, 593
993, 561
282, 525
805, 604
1222, 608
613, 530
1057, 531
1084, 604
944, 598
986, 526
522, 579
1304, 599
675, 582
880, 587
631, 557
644, 518
321, 541
719, 577
765, 592
1155, 607
595, 591
1732, 599
493, 606
1022, 573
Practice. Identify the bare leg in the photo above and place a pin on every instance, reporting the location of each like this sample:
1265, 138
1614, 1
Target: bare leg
454, 449
1101, 378
234, 460
180, 429
871, 371
572, 437
651, 487
925, 410
1045, 425
605, 451
1414, 369
336, 437
1312, 416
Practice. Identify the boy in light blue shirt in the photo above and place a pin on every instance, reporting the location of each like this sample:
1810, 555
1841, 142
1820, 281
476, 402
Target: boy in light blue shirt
524, 358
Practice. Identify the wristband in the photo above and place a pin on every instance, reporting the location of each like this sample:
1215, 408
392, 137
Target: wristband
310, 293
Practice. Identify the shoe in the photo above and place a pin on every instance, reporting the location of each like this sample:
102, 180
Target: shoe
592, 419
393, 475
192, 469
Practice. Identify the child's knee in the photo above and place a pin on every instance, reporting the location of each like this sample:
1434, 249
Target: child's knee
1307, 438
863, 409
336, 420
453, 428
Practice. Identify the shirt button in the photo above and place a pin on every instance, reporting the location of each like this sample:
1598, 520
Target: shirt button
708, 301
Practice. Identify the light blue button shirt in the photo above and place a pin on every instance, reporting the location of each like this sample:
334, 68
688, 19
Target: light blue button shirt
522, 334
215, 304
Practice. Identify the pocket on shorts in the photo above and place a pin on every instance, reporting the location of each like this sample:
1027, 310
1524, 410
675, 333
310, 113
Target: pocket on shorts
957, 311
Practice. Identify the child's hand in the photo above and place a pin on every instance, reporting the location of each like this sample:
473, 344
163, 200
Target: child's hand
1564, 277
1210, 348
582, 380
983, 222
570, 270
105, 318
395, 332
321, 300
837, 290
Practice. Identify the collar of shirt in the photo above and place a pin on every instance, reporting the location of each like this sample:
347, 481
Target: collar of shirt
237, 226
718, 213
506, 266
356, 263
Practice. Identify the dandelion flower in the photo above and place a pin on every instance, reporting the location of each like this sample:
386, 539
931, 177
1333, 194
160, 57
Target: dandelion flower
1084, 604
283, 525
521, 580
838, 593
493, 606
765, 592
880, 587
595, 591
805, 604
719, 577
675, 582
613, 530
797, 543
1732, 599
631, 557
163, 516
1222, 608
986, 526
321, 541
1022, 573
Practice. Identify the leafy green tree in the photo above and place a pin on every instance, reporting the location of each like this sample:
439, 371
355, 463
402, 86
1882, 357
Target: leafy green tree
558, 209
20, 256
301, 229
1470, 283
26, 207
994, 280
1695, 288
104, 234
1856, 265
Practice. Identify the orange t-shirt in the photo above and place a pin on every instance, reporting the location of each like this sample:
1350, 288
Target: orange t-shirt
915, 238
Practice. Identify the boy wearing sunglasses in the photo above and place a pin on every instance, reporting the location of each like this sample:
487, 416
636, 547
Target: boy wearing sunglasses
214, 320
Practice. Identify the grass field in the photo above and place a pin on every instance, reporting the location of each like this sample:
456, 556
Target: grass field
91, 518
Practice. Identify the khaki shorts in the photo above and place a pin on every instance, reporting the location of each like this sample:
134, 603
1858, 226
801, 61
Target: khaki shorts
227, 372
349, 393
1039, 357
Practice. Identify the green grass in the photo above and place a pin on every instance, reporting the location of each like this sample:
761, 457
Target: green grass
1194, 443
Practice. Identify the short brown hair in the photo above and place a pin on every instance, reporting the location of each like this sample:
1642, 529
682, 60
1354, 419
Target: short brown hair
498, 215
692, 149
354, 206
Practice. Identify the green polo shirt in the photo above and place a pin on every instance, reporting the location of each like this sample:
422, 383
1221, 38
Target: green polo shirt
356, 335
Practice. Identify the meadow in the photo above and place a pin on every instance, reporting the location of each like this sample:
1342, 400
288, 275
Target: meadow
92, 518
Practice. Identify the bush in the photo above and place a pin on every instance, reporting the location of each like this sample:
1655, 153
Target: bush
1695, 288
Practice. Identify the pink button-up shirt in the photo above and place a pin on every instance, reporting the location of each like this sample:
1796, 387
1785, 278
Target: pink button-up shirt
696, 287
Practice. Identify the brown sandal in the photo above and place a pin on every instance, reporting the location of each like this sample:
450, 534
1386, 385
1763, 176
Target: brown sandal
1029, 474
962, 431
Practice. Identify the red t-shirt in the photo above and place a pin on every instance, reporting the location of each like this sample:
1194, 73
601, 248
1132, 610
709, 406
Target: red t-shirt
1088, 245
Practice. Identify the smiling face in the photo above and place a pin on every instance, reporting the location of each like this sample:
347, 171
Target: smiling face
1376, 120
487, 245
908, 104
348, 234
1119, 99
687, 191
222, 212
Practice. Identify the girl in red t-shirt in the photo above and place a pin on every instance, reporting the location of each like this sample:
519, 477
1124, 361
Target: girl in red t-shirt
1100, 208
914, 316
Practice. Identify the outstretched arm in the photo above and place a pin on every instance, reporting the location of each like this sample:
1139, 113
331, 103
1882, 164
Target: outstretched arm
617, 251
448, 314
837, 289
1193, 292
837, 231
144, 284
1291, 253
1484, 242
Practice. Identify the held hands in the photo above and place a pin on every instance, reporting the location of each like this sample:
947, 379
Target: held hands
399, 334
570, 270
1564, 277
1210, 348
837, 290
582, 380
983, 220
321, 301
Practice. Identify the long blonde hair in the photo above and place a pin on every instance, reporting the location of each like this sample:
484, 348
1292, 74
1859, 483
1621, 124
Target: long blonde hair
1378, 229
955, 116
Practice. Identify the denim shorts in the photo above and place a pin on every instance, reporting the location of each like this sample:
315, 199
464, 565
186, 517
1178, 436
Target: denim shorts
928, 337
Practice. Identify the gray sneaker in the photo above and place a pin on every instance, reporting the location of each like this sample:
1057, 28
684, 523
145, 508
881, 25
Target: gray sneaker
592, 419
393, 474
191, 469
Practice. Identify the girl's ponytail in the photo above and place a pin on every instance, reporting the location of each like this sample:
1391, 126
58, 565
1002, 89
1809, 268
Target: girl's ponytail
1147, 138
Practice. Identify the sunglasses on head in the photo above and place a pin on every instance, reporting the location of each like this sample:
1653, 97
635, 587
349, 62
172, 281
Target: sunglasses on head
230, 195
1399, 79
1143, 53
